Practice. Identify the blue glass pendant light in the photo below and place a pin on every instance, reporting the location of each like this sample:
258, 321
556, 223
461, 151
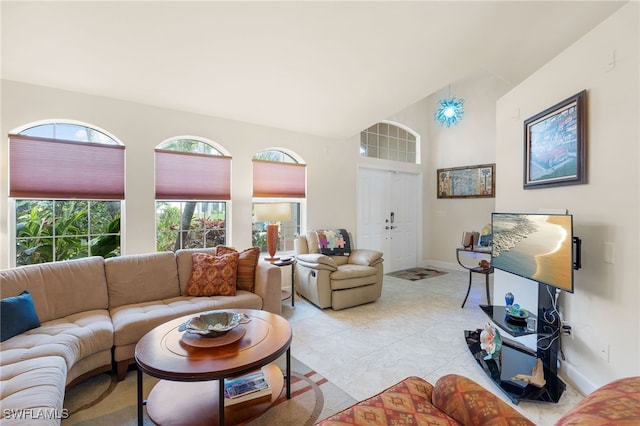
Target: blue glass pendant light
450, 111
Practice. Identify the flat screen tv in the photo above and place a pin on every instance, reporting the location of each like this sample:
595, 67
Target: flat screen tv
536, 246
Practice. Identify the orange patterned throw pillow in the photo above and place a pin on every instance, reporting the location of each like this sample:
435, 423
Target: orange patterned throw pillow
213, 275
246, 265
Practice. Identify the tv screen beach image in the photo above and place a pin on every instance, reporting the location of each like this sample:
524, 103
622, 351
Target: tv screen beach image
534, 246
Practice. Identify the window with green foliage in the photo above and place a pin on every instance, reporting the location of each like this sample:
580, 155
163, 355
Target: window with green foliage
51, 226
192, 190
190, 224
286, 183
54, 230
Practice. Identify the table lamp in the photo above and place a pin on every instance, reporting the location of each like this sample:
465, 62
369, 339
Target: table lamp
272, 212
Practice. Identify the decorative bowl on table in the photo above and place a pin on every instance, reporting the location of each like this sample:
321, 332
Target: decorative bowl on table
516, 313
214, 324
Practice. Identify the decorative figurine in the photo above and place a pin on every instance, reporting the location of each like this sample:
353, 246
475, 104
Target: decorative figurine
508, 299
491, 342
537, 375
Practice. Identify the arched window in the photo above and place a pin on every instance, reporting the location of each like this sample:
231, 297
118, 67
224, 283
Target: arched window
388, 141
67, 183
278, 177
193, 186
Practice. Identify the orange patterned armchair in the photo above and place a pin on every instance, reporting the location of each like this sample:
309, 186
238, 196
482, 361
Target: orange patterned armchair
616, 403
457, 400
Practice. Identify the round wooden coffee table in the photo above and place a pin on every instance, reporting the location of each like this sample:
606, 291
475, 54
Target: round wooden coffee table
191, 391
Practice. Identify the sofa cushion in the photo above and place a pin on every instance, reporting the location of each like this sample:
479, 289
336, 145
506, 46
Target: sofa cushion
350, 276
17, 315
349, 271
141, 277
33, 387
75, 285
616, 403
246, 265
131, 322
317, 261
71, 338
312, 242
213, 275
365, 257
471, 404
406, 403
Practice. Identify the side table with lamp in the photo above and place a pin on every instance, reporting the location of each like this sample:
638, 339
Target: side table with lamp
273, 213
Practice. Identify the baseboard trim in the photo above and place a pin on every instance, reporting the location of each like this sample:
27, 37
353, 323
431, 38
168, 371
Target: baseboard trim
443, 265
575, 378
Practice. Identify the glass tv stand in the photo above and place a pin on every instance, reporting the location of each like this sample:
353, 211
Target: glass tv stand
515, 358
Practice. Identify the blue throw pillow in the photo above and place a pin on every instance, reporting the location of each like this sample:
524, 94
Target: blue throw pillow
17, 315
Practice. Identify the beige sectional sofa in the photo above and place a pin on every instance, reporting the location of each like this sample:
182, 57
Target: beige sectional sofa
92, 312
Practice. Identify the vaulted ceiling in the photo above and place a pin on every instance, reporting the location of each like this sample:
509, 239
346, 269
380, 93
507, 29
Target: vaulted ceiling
327, 68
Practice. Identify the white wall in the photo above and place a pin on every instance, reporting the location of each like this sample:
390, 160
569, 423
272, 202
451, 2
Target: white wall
331, 175
470, 142
604, 308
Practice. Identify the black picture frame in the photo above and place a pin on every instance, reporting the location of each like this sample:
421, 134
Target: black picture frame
555, 145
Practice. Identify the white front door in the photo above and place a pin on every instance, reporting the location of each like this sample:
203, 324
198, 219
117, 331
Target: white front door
388, 216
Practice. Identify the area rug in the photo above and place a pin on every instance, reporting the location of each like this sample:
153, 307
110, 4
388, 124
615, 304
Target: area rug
416, 274
102, 400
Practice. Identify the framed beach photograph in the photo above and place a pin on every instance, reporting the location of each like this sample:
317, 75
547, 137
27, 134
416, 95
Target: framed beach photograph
467, 182
554, 145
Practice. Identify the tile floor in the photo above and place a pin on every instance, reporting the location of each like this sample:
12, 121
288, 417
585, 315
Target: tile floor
415, 328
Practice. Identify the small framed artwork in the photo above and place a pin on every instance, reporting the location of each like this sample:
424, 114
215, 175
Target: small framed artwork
554, 145
467, 182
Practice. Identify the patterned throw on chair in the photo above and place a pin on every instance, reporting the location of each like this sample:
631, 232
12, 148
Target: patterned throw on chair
334, 242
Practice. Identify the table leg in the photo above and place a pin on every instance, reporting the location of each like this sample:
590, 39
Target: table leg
293, 285
140, 403
468, 290
221, 402
288, 383
486, 283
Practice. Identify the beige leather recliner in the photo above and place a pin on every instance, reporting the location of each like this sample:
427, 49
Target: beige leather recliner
338, 282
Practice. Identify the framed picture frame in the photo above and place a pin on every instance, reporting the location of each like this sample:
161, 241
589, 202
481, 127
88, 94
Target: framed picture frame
477, 181
554, 145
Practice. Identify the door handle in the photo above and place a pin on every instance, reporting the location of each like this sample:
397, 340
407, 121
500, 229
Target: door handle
393, 227
386, 227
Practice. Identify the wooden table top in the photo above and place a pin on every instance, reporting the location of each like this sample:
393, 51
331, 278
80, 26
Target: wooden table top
162, 352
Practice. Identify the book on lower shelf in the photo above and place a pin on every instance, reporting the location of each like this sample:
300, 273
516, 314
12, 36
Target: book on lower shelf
250, 387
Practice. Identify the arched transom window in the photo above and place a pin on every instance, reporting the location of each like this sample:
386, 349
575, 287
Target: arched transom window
389, 142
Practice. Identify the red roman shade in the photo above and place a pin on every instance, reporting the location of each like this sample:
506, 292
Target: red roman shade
190, 176
278, 180
54, 168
